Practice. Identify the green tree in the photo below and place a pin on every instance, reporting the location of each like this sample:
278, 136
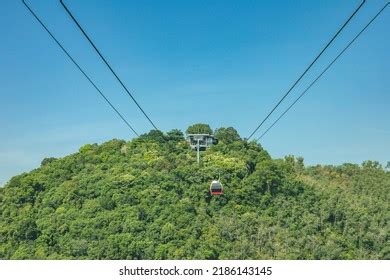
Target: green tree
227, 135
148, 199
47, 160
175, 135
199, 128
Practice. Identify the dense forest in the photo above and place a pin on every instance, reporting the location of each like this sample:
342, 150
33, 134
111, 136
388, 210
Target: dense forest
148, 199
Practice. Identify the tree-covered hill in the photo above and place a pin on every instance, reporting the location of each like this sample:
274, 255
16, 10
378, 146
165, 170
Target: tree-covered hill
148, 199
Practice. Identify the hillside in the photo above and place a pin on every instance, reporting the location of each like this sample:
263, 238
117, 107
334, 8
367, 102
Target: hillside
148, 199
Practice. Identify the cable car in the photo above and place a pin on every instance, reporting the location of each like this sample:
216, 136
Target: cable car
216, 188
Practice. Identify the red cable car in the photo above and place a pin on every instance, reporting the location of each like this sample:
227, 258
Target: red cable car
216, 188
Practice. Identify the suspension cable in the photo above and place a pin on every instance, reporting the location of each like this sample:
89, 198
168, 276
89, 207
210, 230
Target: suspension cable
107, 64
79, 67
323, 72
307, 69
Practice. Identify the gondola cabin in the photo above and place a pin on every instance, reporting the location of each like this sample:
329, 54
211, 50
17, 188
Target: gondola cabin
216, 188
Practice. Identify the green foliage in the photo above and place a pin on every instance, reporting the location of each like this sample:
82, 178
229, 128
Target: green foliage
153, 135
148, 199
175, 135
227, 135
199, 128
47, 160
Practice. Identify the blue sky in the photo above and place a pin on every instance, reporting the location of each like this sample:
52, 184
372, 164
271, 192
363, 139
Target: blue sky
225, 63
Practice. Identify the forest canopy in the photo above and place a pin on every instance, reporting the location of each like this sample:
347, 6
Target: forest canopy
148, 199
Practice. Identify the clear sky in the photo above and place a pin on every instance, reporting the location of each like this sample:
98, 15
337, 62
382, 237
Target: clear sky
225, 63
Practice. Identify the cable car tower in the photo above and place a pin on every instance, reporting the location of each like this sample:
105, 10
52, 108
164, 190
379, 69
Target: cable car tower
201, 142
